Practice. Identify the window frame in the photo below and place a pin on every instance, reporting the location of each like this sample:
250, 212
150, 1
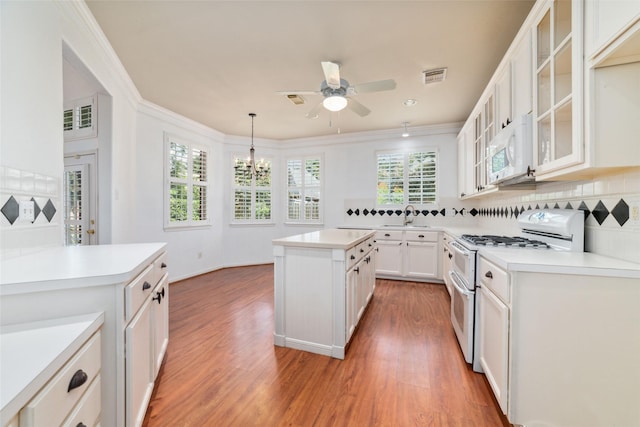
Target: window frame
77, 131
188, 181
406, 154
303, 188
253, 190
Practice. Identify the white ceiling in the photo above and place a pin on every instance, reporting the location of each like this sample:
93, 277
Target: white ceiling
217, 61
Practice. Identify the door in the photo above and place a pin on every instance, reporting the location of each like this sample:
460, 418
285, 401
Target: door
80, 200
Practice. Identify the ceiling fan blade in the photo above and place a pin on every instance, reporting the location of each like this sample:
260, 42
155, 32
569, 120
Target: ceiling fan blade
378, 86
331, 74
357, 108
298, 92
314, 111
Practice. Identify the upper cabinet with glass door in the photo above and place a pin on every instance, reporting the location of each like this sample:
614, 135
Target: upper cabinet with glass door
558, 86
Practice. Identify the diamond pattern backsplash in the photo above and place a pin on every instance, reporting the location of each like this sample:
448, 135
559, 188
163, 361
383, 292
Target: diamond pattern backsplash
11, 210
620, 211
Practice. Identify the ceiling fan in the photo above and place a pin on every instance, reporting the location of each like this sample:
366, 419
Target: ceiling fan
338, 93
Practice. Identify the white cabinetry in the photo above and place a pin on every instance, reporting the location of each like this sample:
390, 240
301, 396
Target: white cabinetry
494, 329
522, 83
122, 281
52, 372
323, 282
606, 22
447, 255
408, 254
504, 114
553, 341
465, 160
389, 253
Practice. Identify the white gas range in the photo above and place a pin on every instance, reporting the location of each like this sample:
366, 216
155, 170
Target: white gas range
543, 230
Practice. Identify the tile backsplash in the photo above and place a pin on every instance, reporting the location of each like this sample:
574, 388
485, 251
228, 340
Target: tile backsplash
21, 236
611, 204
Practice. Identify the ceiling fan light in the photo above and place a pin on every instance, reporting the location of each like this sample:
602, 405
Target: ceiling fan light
335, 102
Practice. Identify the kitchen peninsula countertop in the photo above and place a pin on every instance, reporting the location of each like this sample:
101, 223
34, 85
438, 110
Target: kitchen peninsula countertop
73, 266
33, 352
332, 238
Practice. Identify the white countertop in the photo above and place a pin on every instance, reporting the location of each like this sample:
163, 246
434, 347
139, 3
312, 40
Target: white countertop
70, 266
332, 238
33, 352
560, 262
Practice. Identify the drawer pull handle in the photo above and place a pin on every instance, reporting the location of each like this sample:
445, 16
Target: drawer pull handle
387, 235
421, 235
163, 265
80, 424
353, 257
79, 378
488, 274
159, 296
146, 285
450, 256
357, 270
361, 250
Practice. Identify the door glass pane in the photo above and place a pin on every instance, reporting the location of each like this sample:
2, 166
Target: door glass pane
561, 21
544, 39
562, 73
544, 89
562, 131
544, 140
73, 207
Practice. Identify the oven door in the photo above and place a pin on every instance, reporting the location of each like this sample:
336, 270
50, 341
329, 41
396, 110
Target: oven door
462, 314
463, 263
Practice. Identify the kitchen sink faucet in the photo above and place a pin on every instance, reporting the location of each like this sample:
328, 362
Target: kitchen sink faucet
407, 219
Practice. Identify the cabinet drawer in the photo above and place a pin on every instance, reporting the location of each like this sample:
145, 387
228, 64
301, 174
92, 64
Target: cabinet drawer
52, 405
159, 268
136, 292
87, 411
495, 278
422, 236
388, 235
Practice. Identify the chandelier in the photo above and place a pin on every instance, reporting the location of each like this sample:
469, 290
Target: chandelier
249, 165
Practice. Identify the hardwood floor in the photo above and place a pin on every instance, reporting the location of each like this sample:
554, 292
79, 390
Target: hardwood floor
403, 367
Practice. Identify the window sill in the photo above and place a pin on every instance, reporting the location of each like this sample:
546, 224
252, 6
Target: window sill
252, 224
186, 227
304, 224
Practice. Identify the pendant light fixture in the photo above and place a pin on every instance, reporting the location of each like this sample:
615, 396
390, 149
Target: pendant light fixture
250, 165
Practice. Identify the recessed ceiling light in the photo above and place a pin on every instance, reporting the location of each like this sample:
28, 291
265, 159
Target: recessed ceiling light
410, 102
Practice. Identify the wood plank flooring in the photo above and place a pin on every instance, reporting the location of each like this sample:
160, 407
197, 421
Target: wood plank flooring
403, 367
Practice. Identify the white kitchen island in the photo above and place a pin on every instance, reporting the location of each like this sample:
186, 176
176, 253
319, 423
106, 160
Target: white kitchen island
323, 281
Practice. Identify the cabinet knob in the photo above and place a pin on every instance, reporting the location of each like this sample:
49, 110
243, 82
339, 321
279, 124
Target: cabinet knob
163, 265
450, 256
158, 297
530, 171
387, 235
146, 285
353, 257
80, 424
421, 235
488, 274
361, 250
357, 270
79, 378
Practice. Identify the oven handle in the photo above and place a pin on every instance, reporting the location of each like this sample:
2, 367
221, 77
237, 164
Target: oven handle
460, 249
455, 279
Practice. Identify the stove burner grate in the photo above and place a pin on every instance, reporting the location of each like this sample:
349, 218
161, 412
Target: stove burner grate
512, 242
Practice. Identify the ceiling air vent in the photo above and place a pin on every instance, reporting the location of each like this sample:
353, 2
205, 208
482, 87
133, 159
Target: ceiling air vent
436, 75
296, 99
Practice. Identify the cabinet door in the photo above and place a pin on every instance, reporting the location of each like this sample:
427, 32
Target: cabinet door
160, 323
422, 260
465, 160
138, 365
494, 344
521, 79
503, 98
558, 76
389, 257
350, 302
604, 20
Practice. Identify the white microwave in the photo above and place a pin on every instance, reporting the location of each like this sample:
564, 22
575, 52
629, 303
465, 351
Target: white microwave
511, 151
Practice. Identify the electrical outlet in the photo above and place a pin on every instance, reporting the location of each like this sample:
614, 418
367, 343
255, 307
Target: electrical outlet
27, 211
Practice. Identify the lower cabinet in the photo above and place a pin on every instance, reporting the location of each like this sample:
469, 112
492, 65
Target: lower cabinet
410, 255
146, 339
494, 343
321, 290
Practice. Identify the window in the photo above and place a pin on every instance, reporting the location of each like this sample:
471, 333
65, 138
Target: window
407, 178
187, 184
78, 119
304, 190
251, 194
